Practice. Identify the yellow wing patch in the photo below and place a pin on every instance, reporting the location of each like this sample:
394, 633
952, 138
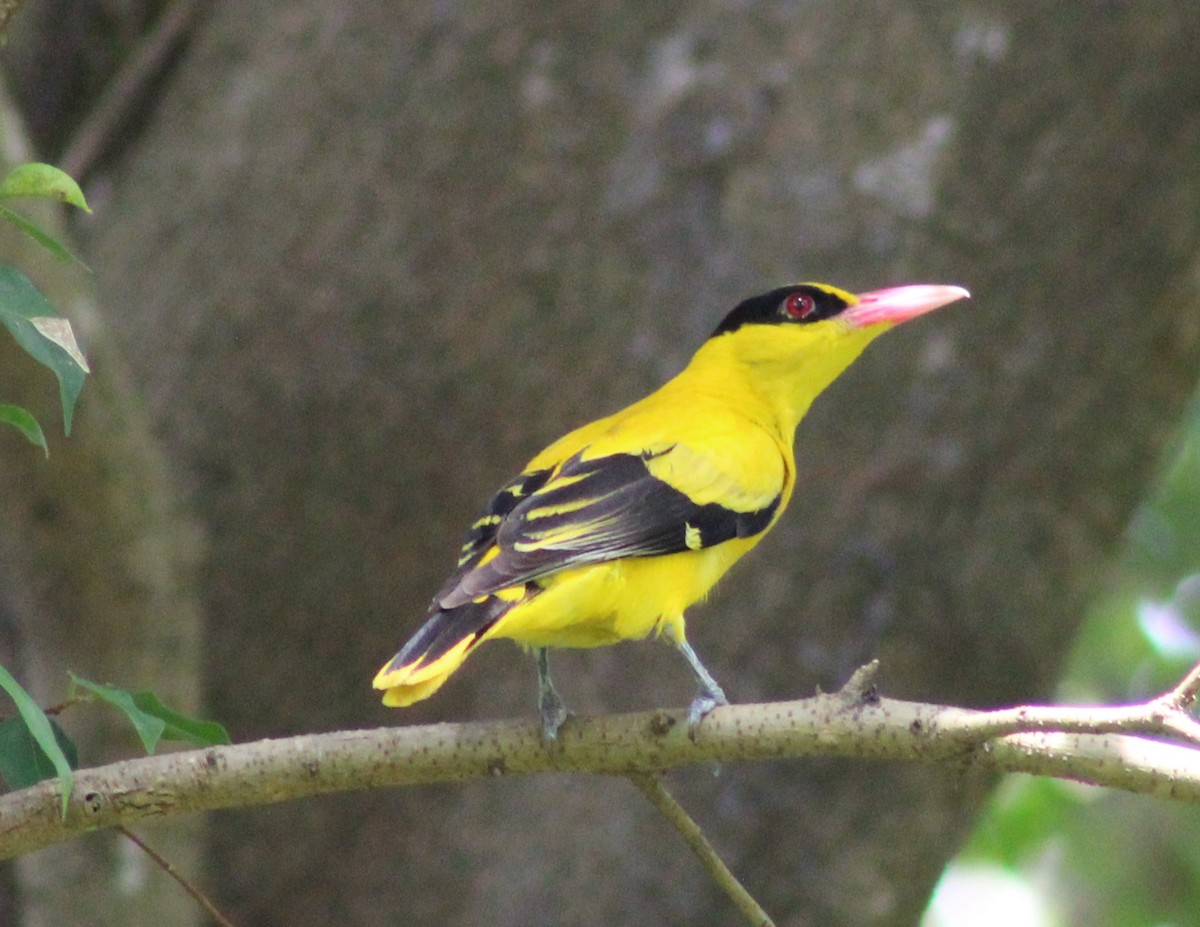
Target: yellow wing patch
743, 482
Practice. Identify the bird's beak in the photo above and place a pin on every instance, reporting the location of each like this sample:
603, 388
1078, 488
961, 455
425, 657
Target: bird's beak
900, 303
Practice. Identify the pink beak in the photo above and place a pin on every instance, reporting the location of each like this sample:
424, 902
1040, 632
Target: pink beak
901, 303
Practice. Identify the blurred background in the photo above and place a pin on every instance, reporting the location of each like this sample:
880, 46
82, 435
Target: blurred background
1048, 852
353, 263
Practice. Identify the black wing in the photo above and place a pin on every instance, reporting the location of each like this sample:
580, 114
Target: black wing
588, 511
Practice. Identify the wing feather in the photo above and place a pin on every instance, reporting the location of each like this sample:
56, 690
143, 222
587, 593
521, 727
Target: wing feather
596, 510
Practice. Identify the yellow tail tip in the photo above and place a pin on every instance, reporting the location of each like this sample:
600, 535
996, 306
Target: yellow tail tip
418, 680
402, 696
407, 684
391, 676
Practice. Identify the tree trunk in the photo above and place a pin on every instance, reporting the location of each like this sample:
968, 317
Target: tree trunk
367, 258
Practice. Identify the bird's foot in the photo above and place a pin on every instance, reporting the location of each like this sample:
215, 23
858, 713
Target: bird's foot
553, 711
551, 708
705, 701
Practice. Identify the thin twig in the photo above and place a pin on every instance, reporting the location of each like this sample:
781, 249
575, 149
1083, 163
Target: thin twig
67, 703
1184, 694
127, 92
198, 896
1162, 716
651, 786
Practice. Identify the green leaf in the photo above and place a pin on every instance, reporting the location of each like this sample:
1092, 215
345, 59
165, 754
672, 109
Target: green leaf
153, 720
40, 729
183, 727
43, 181
45, 335
26, 424
40, 235
149, 728
22, 762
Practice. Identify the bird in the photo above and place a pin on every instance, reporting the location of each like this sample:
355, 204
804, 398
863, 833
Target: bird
613, 531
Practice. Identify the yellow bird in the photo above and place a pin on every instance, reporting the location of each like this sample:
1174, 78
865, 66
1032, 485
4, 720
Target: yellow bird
614, 530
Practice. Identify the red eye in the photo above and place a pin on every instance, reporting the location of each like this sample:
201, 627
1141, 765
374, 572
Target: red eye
799, 306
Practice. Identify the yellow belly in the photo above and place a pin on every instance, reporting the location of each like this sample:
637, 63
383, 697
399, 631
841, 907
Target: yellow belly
621, 600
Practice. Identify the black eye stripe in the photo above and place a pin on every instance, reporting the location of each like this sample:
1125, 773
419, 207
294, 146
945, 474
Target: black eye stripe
772, 308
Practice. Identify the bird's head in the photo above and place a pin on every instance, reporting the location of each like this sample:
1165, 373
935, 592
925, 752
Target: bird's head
809, 304
794, 341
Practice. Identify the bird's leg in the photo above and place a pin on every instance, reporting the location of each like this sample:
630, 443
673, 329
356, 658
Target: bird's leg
709, 695
551, 707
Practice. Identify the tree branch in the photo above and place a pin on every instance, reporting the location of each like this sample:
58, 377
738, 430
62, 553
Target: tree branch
169, 868
1101, 746
721, 874
129, 90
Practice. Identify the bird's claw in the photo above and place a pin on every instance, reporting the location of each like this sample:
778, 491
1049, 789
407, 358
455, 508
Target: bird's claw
704, 702
551, 708
553, 711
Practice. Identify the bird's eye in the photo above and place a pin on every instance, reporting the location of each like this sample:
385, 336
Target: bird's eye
799, 306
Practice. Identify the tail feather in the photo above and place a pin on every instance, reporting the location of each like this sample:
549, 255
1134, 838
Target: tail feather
437, 650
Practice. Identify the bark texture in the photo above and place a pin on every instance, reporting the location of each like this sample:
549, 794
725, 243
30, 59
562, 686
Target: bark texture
366, 258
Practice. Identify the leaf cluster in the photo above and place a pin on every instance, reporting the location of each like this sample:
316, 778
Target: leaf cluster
33, 746
44, 334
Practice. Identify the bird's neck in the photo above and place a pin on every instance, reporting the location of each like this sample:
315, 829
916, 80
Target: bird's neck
774, 374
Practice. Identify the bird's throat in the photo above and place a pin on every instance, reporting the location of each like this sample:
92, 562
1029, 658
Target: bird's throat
777, 372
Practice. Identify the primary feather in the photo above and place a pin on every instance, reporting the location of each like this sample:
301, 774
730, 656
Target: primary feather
614, 530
